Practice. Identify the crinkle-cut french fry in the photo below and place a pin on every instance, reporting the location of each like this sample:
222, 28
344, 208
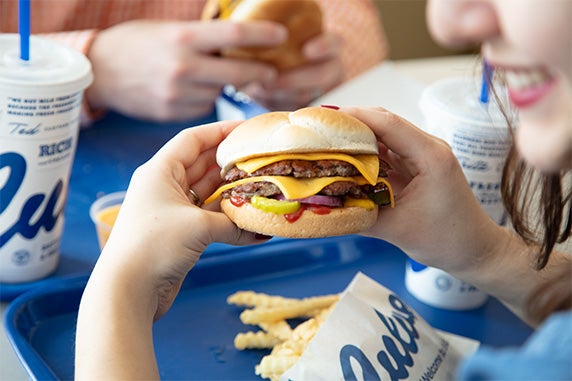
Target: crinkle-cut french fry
290, 348
272, 365
260, 315
255, 340
316, 303
270, 313
280, 329
298, 309
316, 313
257, 299
305, 331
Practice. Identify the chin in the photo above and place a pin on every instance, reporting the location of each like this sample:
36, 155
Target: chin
548, 150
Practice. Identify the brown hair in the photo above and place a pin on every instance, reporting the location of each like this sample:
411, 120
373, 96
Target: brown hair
519, 185
523, 188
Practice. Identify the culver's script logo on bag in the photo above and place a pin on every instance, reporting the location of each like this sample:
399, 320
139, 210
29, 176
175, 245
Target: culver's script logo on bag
397, 351
372, 334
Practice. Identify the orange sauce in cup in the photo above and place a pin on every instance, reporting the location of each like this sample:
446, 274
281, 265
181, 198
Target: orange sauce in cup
105, 220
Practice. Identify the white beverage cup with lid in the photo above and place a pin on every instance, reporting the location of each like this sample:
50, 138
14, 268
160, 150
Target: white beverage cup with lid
478, 135
40, 103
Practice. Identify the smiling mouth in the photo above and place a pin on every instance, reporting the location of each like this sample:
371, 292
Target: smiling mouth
526, 78
527, 86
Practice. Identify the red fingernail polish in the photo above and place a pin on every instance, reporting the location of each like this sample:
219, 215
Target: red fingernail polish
333, 107
261, 237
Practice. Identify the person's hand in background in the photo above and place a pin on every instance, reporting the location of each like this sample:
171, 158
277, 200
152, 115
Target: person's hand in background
165, 71
298, 87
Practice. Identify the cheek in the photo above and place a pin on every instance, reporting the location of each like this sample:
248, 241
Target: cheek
542, 30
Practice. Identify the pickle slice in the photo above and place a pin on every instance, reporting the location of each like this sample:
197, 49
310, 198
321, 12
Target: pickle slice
380, 196
271, 205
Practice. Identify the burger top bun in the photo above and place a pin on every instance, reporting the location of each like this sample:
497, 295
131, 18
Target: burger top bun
310, 129
303, 18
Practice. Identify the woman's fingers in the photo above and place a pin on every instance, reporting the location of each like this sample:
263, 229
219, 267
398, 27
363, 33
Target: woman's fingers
192, 142
396, 133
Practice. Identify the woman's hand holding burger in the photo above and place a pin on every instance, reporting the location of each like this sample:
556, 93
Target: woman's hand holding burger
158, 237
438, 221
432, 196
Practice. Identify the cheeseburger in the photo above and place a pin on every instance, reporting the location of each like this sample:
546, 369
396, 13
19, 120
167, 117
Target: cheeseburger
303, 18
314, 172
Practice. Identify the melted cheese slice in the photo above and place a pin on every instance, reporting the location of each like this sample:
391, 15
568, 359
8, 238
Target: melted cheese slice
293, 188
367, 165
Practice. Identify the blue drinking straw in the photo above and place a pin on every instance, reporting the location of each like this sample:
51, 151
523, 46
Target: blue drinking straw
24, 28
486, 82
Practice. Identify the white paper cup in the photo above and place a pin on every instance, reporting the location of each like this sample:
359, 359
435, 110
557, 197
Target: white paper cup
478, 135
439, 289
40, 102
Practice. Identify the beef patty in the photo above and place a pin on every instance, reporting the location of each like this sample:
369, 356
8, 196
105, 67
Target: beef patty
303, 169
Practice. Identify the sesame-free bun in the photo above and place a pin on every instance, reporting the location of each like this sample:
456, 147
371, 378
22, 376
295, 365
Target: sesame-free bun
340, 221
302, 18
307, 130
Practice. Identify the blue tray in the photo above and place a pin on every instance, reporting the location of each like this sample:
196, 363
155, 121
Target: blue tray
194, 340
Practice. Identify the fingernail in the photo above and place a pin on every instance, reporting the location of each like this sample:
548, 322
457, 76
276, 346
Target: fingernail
261, 237
333, 107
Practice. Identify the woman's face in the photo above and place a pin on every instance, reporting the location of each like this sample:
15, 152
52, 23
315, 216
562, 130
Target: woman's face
531, 41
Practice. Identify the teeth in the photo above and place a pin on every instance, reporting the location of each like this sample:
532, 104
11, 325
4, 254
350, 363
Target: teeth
522, 79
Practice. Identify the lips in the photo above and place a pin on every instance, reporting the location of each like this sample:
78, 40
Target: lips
528, 86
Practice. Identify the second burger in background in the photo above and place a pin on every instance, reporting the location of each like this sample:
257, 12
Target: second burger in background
303, 18
314, 172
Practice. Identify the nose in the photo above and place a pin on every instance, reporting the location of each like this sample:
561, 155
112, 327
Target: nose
462, 23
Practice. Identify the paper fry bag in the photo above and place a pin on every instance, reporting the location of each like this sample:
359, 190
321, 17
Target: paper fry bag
373, 335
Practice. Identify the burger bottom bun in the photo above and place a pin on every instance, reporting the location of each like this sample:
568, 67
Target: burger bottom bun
340, 221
